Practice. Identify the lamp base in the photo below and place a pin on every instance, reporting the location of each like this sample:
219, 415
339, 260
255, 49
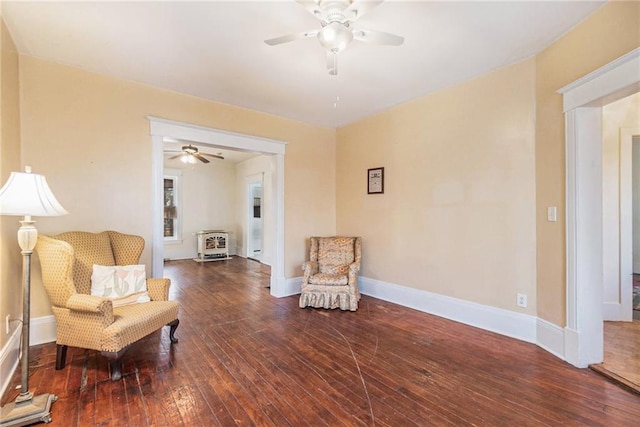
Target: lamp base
35, 410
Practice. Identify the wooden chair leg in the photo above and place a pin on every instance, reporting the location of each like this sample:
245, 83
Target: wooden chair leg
61, 356
173, 326
115, 358
115, 362
116, 369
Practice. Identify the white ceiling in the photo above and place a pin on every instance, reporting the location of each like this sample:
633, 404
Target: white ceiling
172, 147
215, 49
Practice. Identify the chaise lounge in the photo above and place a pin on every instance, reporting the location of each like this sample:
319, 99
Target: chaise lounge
96, 322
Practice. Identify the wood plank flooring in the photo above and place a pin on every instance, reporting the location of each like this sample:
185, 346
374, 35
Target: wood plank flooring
622, 353
246, 358
622, 349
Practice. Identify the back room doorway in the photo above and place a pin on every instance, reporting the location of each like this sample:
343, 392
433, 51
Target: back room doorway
255, 217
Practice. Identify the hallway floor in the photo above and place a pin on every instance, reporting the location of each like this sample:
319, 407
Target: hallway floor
622, 352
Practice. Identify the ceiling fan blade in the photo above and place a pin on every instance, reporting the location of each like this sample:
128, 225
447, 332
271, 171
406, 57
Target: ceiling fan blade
377, 37
217, 156
312, 7
199, 157
175, 157
359, 8
291, 37
332, 63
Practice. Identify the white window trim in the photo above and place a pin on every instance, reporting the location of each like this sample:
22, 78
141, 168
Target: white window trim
176, 175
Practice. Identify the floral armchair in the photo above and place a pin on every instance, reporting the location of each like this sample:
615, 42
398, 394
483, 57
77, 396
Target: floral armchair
91, 321
331, 275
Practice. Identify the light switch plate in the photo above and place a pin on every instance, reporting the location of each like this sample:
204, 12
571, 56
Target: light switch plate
552, 214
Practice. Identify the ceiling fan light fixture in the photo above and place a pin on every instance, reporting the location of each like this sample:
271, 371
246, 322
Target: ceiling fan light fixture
188, 158
335, 37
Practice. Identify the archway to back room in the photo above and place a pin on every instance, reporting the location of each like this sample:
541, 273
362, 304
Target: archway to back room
162, 128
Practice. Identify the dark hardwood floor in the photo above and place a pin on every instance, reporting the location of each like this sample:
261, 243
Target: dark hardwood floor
245, 358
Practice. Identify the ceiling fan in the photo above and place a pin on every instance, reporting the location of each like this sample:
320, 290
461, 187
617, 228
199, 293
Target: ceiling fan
336, 18
189, 154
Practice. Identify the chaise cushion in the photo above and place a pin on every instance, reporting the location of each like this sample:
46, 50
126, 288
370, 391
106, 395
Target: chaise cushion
329, 279
136, 321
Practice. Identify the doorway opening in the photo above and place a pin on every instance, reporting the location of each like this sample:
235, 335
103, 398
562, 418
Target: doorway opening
582, 104
162, 128
629, 228
255, 218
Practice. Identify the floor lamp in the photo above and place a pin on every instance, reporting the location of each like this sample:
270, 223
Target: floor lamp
27, 194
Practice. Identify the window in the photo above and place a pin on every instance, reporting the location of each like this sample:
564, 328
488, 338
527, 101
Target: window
172, 220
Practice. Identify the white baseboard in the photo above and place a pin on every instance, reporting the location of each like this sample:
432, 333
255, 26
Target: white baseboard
42, 330
291, 286
610, 311
9, 358
504, 322
550, 337
571, 347
615, 312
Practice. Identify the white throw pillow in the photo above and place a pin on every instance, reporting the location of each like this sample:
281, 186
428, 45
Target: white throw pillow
123, 284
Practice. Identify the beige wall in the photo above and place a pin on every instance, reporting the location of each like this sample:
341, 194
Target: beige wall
469, 170
88, 134
10, 258
606, 35
458, 214
450, 220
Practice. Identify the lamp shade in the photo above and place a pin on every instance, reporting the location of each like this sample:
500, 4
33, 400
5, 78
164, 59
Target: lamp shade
28, 194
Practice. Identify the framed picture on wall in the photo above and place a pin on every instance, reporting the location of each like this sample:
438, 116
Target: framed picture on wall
375, 181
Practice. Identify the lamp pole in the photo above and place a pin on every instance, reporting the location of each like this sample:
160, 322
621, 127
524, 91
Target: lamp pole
27, 194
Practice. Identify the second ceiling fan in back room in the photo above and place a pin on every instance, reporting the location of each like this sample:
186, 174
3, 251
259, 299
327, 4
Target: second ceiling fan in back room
189, 154
337, 18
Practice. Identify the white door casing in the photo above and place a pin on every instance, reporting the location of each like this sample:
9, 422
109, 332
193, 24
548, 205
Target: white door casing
625, 309
582, 104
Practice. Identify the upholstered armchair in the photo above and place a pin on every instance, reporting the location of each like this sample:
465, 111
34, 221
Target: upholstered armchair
331, 275
96, 322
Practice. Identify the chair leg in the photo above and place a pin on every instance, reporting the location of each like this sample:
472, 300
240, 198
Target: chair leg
116, 369
173, 326
61, 356
115, 362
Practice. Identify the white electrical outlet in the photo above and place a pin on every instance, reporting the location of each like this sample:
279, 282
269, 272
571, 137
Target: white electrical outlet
7, 320
522, 300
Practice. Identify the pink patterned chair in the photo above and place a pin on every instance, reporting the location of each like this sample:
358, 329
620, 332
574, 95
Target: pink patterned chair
331, 274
